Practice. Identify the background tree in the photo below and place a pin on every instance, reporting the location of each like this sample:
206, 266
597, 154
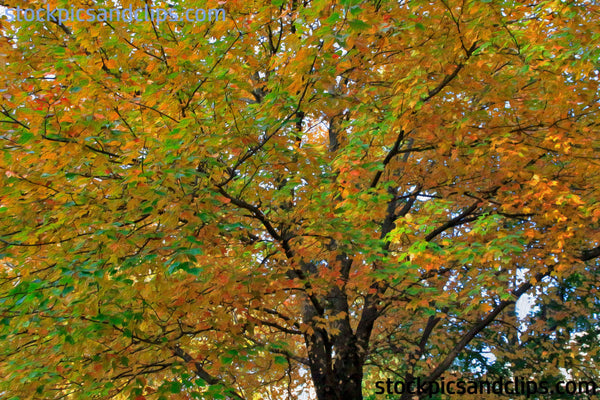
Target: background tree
298, 197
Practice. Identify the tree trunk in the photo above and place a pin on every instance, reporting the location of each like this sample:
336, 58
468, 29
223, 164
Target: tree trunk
338, 384
336, 364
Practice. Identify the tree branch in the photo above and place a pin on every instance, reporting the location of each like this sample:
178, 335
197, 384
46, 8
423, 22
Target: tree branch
201, 372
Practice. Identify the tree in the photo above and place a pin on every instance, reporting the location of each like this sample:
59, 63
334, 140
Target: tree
303, 198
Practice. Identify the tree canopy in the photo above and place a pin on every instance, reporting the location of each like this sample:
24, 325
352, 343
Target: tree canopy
300, 200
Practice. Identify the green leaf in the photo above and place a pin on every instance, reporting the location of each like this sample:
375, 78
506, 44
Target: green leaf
358, 25
280, 360
175, 387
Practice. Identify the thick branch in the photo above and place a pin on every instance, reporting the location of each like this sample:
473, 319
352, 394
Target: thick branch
590, 254
452, 223
481, 325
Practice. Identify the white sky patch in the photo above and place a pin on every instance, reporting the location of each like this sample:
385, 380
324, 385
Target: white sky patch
524, 305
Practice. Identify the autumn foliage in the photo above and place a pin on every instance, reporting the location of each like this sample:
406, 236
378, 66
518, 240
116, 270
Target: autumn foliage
299, 200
